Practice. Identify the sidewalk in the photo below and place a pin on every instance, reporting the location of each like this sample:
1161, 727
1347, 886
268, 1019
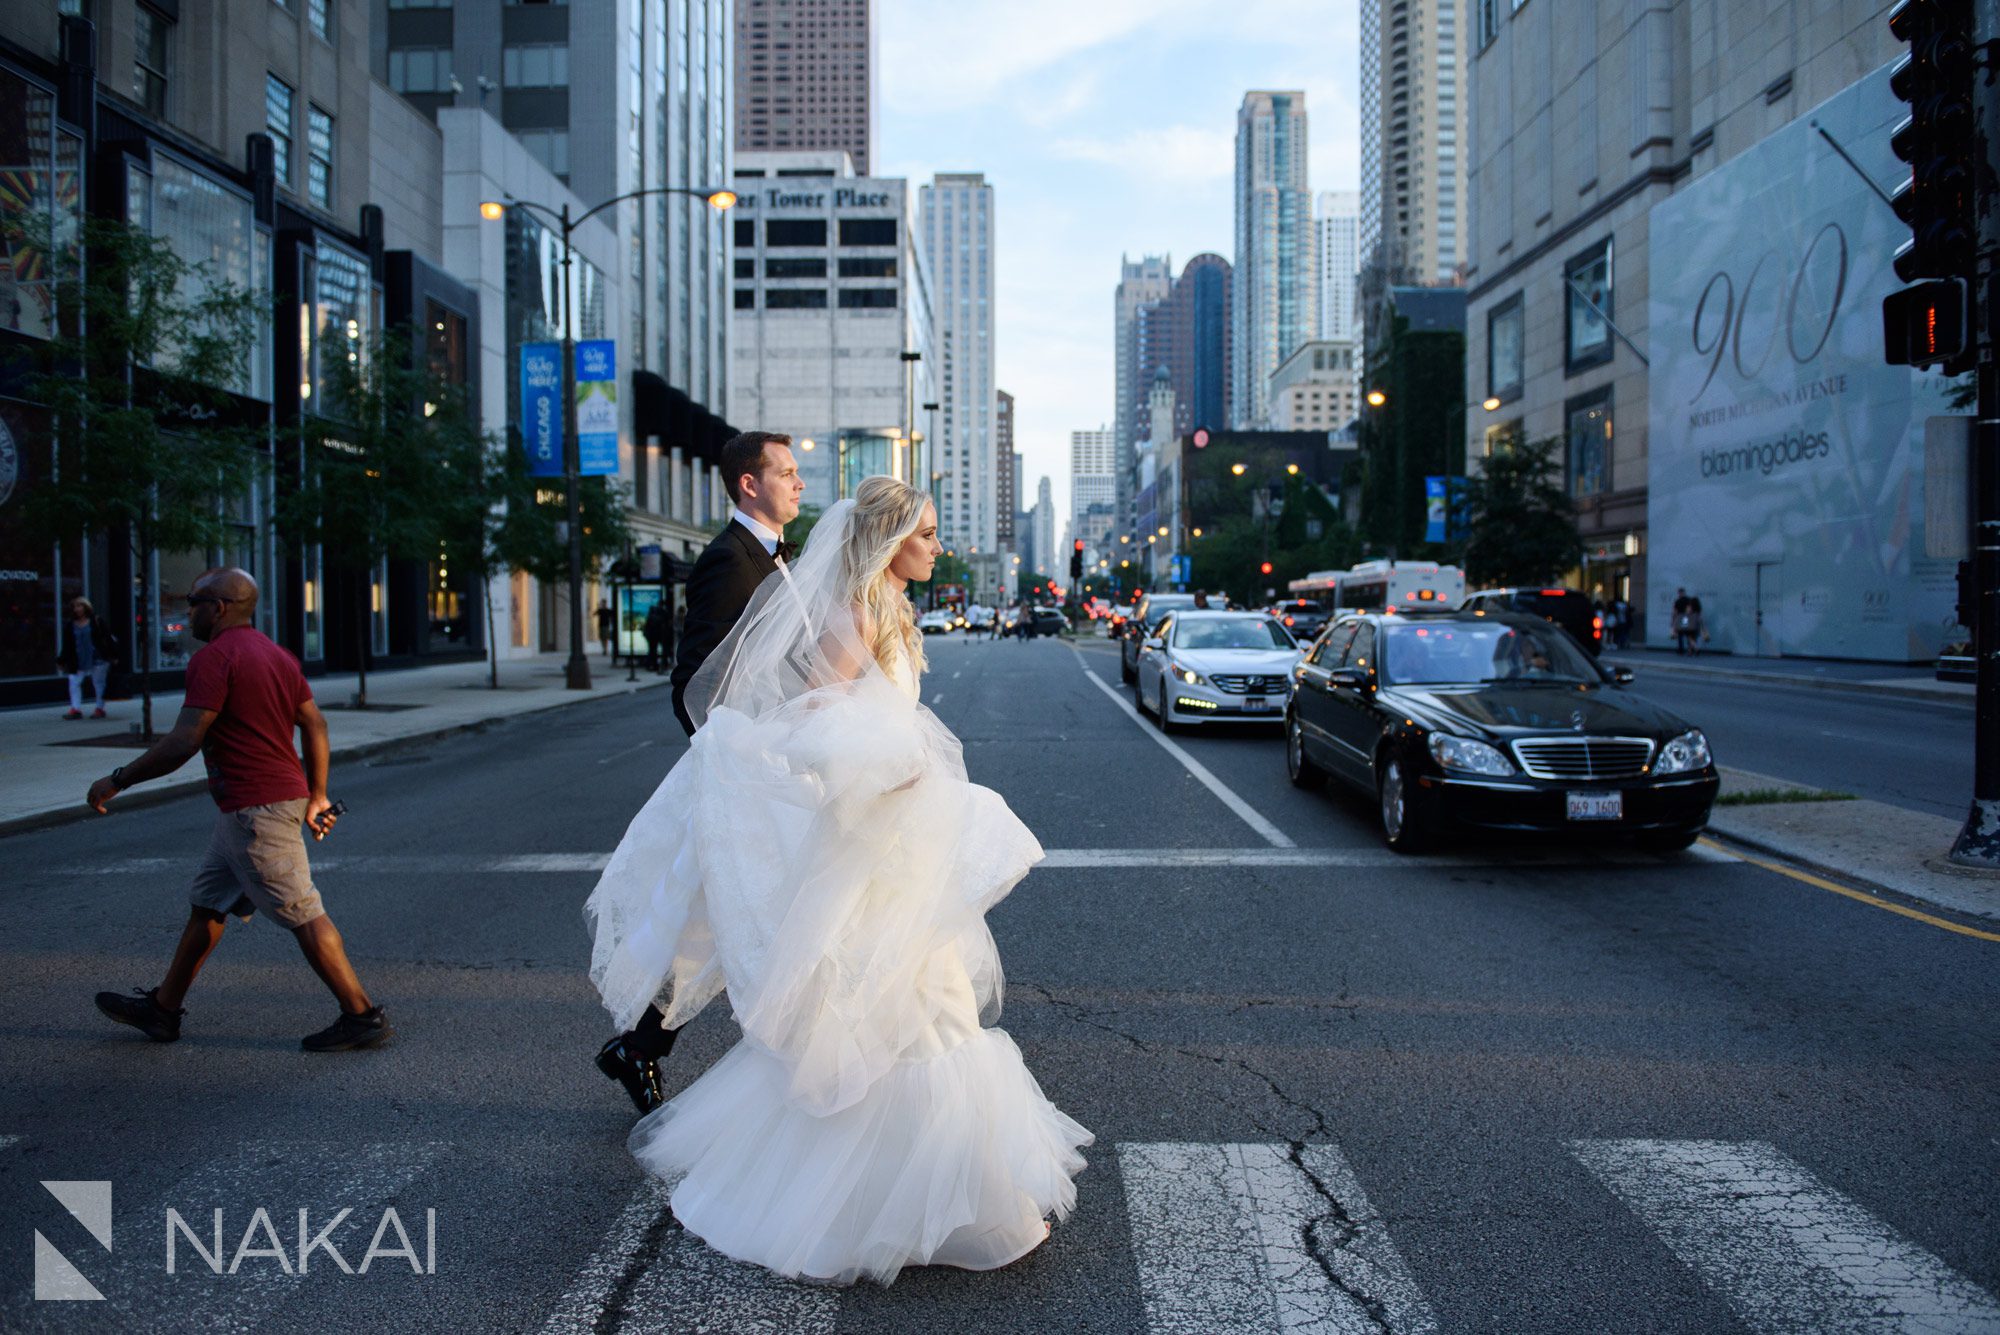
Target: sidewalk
44, 774
1872, 843
1876, 679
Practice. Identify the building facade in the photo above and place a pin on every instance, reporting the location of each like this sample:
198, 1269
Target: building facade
829, 294
1412, 226
1199, 364
1337, 219
1314, 388
1143, 284
1274, 296
805, 77
1093, 487
956, 222
1007, 479
1583, 126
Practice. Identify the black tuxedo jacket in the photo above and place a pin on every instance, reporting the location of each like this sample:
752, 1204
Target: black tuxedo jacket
725, 575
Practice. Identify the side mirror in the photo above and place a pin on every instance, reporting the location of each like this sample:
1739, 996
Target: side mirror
1621, 676
1154, 643
1353, 678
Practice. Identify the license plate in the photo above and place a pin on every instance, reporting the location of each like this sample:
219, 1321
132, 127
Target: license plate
1596, 806
1254, 702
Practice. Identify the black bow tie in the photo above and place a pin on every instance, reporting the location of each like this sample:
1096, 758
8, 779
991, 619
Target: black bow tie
786, 551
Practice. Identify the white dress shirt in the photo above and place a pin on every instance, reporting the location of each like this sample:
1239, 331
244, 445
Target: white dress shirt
757, 531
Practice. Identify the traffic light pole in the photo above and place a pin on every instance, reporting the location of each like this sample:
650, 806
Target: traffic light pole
1978, 843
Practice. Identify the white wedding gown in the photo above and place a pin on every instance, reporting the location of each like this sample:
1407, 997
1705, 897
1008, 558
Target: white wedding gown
832, 867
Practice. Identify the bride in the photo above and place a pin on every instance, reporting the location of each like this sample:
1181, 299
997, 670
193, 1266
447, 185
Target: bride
820, 854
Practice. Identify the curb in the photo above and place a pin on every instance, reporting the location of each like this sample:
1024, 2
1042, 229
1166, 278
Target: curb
1847, 876
1810, 683
173, 789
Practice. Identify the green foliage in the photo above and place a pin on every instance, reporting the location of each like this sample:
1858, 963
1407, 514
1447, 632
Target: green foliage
950, 569
1520, 525
149, 445
801, 528
1241, 530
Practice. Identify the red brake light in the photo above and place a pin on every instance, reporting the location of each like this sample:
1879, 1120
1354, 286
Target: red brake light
1288, 621
1555, 593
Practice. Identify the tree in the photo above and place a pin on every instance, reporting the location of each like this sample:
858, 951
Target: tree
149, 441
377, 481
1520, 525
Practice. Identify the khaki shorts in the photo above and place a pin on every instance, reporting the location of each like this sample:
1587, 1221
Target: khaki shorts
257, 860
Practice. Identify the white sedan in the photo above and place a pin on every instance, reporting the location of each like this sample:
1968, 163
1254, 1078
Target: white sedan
1205, 666
939, 622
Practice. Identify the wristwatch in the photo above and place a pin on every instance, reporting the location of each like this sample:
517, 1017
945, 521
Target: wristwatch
118, 778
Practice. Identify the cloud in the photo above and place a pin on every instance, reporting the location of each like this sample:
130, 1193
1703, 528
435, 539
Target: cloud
1171, 155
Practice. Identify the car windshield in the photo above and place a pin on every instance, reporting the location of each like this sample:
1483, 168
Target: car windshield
1230, 633
1464, 653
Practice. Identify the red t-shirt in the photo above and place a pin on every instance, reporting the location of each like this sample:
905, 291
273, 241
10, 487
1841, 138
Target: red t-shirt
255, 689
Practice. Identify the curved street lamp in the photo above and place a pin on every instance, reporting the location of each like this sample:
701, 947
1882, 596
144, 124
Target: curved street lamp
577, 671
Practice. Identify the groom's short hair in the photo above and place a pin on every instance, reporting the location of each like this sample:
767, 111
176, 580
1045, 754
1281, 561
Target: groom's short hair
744, 453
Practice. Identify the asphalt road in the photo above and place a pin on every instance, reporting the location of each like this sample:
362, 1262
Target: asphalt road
1494, 1090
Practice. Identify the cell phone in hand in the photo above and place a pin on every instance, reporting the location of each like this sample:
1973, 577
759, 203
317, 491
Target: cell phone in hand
337, 810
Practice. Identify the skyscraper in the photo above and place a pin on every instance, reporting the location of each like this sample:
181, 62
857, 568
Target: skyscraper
1413, 74
1337, 221
1275, 304
1006, 472
805, 76
1198, 348
1140, 285
956, 222
1093, 484
1045, 529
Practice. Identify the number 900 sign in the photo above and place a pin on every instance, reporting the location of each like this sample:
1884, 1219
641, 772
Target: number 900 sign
1744, 329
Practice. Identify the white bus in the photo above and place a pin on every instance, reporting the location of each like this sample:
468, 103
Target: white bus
1383, 586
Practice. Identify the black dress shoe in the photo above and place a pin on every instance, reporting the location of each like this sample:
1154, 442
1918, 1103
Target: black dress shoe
633, 1069
143, 1011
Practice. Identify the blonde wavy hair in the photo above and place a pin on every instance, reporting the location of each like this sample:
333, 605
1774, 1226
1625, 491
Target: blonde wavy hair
886, 513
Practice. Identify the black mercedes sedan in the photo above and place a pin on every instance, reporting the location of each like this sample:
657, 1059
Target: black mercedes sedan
1494, 721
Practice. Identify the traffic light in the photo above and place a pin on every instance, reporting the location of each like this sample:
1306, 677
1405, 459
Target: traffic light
1926, 326
1076, 560
1264, 569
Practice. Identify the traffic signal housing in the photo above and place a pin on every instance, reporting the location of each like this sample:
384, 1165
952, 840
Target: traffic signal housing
1076, 560
1927, 325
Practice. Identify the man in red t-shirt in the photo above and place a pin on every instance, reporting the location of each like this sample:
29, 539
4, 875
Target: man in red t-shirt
245, 695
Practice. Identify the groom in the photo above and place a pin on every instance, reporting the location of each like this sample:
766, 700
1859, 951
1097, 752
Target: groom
762, 479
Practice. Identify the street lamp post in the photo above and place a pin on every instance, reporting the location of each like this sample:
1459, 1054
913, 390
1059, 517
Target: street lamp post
576, 672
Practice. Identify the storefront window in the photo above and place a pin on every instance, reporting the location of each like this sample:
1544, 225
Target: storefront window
1589, 420
312, 631
28, 212
1587, 307
342, 320
1503, 350
211, 225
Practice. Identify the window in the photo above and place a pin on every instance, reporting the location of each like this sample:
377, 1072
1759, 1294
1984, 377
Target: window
795, 232
746, 268
1503, 350
421, 69
278, 122
746, 299
420, 4
795, 268
795, 299
149, 62
319, 157
548, 147
319, 17
746, 232
867, 231
544, 66
868, 298
1589, 421
1587, 285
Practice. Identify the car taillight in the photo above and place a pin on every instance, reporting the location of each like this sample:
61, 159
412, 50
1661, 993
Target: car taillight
1597, 628
1288, 621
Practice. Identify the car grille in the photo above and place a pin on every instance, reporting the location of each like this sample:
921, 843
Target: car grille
1238, 684
1584, 757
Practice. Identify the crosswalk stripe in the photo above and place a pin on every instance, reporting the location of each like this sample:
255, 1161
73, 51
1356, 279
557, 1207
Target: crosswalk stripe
649, 1274
1057, 859
1785, 1251
1236, 1239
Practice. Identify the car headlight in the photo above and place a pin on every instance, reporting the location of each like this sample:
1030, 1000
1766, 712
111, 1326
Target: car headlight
1463, 755
1685, 752
1186, 674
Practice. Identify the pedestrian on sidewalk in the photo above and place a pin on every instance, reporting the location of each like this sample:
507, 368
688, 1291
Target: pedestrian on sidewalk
1621, 622
1687, 623
659, 633
89, 648
607, 626
245, 695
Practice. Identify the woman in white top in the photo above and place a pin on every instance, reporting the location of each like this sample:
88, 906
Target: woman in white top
820, 853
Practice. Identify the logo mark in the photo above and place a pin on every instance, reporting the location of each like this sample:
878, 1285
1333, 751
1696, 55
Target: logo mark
56, 1279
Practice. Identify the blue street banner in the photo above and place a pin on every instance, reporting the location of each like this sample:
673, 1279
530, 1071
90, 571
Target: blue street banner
597, 407
541, 408
1183, 570
1435, 509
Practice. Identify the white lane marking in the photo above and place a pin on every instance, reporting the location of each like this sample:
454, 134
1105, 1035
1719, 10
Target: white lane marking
1785, 1251
440, 864
1274, 836
281, 1178
620, 755
650, 1274
1242, 1239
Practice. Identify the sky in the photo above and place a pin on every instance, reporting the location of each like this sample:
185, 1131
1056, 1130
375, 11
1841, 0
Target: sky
1106, 128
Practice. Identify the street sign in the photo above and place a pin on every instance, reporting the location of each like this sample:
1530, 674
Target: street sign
541, 408
1435, 510
597, 407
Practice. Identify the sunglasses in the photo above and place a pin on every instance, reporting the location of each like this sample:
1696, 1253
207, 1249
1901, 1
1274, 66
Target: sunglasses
197, 599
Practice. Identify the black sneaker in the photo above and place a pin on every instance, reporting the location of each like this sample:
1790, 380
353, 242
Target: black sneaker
143, 1011
350, 1031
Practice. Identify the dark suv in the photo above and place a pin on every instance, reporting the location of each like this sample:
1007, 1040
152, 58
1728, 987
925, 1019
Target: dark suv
1568, 608
1303, 617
